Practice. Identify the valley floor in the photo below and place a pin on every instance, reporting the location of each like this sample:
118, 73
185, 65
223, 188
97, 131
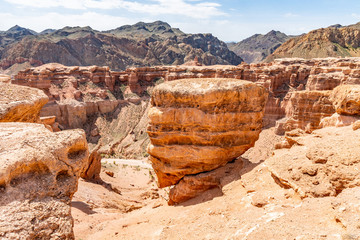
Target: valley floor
250, 205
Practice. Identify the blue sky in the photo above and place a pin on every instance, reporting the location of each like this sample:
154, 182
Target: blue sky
229, 20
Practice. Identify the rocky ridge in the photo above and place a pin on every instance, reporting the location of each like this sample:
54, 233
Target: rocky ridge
333, 41
142, 44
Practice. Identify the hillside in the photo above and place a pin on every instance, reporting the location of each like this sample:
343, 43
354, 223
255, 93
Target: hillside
142, 44
257, 47
334, 41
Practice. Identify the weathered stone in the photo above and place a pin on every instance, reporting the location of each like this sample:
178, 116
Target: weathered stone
191, 186
346, 99
337, 120
197, 125
325, 163
20, 104
93, 167
4, 78
38, 177
305, 109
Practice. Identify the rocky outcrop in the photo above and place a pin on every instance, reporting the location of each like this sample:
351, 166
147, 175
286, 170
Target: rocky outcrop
20, 104
197, 125
38, 177
305, 110
346, 99
320, 164
93, 98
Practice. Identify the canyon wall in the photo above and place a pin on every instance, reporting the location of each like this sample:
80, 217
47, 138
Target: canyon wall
39, 168
112, 105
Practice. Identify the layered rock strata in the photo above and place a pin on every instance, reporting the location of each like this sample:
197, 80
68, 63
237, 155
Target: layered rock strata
197, 125
38, 177
20, 104
83, 97
305, 110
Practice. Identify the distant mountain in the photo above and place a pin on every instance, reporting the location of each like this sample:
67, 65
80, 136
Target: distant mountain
16, 33
334, 41
141, 44
47, 31
257, 47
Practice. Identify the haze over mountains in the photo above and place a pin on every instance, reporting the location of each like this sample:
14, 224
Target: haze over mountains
142, 44
257, 47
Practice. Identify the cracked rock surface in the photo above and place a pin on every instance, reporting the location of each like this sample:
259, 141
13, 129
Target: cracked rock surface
39, 174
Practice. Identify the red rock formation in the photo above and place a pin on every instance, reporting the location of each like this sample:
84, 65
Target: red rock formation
20, 104
197, 125
38, 176
78, 93
305, 109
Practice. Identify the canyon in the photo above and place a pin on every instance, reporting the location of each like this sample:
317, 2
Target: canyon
292, 165
96, 98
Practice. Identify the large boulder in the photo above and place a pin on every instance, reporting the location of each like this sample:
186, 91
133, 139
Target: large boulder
39, 174
20, 104
197, 125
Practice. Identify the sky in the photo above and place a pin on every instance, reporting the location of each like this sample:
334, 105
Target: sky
229, 20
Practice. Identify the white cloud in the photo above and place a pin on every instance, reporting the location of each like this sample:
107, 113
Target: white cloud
288, 15
194, 9
56, 20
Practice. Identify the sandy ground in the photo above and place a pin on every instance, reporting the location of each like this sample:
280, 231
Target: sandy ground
253, 206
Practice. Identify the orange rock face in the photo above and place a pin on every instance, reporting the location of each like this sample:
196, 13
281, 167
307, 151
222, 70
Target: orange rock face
197, 125
305, 109
20, 104
39, 173
346, 99
78, 95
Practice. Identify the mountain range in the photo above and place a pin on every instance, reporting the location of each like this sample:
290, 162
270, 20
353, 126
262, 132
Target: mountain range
157, 43
141, 44
257, 47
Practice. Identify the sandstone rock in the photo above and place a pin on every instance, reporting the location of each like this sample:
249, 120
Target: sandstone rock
4, 78
111, 92
193, 185
93, 167
38, 177
20, 104
50, 123
346, 99
305, 109
356, 125
337, 120
347, 209
197, 125
324, 164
